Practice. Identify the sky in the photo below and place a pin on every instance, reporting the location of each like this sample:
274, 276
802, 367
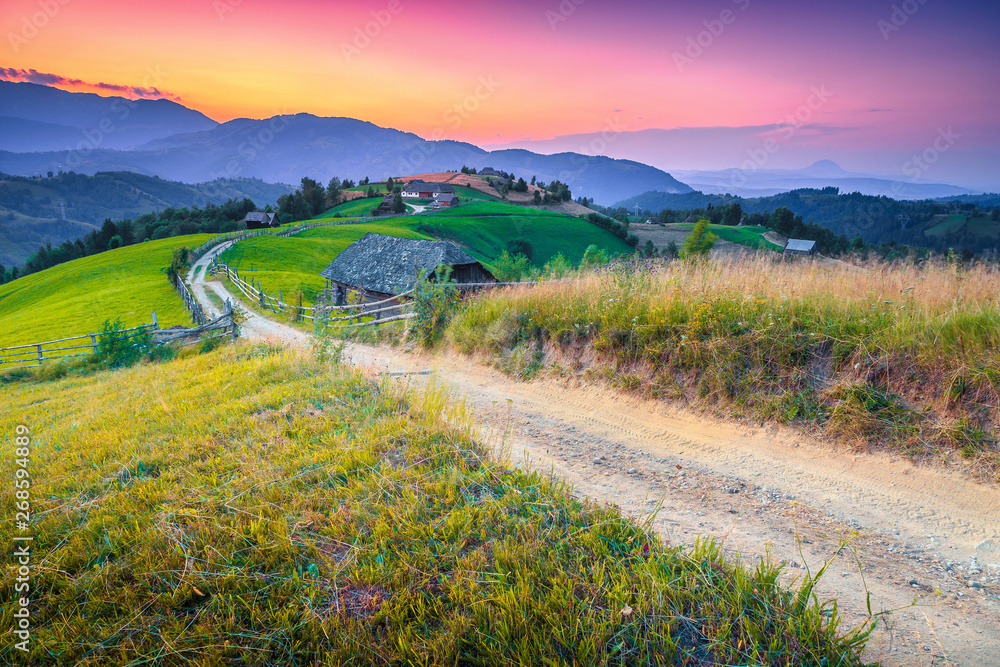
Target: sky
870, 84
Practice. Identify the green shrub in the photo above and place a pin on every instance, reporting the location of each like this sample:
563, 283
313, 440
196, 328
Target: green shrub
434, 302
117, 348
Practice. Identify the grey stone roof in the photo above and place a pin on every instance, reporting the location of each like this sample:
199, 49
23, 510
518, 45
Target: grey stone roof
798, 245
258, 216
388, 265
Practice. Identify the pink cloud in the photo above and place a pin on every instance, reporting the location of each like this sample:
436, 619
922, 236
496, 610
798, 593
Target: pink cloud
48, 79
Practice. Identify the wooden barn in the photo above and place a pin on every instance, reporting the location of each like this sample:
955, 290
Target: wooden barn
445, 200
261, 220
380, 267
800, 247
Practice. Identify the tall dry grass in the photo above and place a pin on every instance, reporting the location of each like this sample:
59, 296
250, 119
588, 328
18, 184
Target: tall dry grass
786, 339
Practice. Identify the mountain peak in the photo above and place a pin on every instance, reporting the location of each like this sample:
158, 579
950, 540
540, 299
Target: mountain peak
825, 168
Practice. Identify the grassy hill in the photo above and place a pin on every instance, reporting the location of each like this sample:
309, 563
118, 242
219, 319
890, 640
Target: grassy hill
78, 296
751, 237
482, 228
485, 228
293, 263
254, 506
984, 225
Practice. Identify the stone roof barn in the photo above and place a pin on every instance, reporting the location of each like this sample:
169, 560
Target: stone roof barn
380, 266
800, 247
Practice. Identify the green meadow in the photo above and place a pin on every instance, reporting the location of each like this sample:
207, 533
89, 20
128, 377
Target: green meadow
947, 224
482, 228
293, 263
751, 237
77, 297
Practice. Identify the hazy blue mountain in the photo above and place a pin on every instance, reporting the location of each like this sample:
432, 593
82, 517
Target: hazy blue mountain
283, 149
61, 120
825, 173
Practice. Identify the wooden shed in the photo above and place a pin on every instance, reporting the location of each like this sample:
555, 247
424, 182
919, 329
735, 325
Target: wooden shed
800, 247
379, 267
261, 220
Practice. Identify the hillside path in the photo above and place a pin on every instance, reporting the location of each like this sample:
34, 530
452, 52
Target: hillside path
920, 533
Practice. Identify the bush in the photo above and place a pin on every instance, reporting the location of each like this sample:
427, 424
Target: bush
700, 242
521, 247
511, 269
117, 348
434, 301
594, 257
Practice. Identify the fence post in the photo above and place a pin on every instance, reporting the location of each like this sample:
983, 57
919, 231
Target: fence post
39, 355
93, 341
156, 323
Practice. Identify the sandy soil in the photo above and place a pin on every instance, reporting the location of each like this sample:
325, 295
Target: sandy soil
917, 535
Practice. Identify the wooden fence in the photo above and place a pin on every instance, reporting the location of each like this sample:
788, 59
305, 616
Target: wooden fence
387, 310
35, 354
224, 325
197, 314
29, 356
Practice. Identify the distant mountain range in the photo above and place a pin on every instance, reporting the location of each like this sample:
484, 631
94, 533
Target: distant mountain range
40, 118
825, 173
700, 149
165, 139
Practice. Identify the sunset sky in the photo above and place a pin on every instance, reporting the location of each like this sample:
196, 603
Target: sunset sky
498, 73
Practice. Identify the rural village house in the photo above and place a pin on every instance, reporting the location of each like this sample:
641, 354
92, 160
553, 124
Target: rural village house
379, 267
261, 220
421, 190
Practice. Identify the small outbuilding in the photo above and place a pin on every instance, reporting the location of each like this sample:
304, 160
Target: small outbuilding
379, 267
385, 208
445, 200
489, 171
261, 220
800, 247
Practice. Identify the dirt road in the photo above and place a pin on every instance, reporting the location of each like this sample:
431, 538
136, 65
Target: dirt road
919, 534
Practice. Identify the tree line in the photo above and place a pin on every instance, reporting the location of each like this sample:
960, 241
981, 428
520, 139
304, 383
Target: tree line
151, 226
